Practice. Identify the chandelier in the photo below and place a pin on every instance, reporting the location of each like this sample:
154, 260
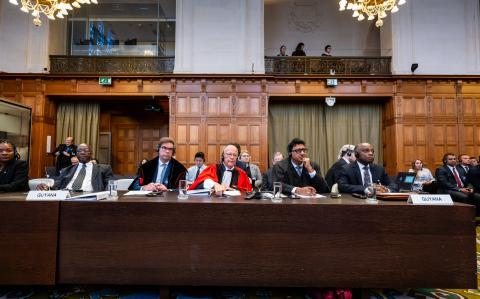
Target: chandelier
371, 8
50, 8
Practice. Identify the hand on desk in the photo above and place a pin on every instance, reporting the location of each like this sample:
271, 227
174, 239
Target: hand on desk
154, 187
308, 191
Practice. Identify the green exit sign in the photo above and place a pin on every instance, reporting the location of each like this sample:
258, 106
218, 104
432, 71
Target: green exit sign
105, 80
332, 82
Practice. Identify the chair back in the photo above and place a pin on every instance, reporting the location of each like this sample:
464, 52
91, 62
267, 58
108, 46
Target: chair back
123, 184
33, 183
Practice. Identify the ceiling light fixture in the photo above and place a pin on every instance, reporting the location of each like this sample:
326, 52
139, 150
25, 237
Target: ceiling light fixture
371, 8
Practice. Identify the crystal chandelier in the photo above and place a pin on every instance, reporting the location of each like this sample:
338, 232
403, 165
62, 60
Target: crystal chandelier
50, 8
371, 8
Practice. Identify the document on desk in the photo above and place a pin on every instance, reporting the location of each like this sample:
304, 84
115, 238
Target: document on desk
232, 193
90, 196
311, 196
199, 192
137, 193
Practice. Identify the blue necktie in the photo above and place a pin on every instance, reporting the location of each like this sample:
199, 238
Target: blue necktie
299, 170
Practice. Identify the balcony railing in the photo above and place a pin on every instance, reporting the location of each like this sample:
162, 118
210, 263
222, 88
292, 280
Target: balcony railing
117, 65
277, 65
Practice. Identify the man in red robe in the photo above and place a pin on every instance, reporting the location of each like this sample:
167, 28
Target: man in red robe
224, 176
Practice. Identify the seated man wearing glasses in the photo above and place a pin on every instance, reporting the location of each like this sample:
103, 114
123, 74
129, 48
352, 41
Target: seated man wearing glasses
84, 176
224, 176
160, 173
297, 173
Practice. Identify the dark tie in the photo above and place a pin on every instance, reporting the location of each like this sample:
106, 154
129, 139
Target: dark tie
457, 179
366, 177
198, 172
77, 184
466, 169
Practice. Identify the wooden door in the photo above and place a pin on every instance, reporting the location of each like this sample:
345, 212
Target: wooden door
133, 139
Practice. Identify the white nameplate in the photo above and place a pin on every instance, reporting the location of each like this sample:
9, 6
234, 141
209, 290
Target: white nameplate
431, 199
48, 195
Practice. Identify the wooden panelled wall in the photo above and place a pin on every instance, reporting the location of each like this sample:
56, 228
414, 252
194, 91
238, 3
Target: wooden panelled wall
423, 117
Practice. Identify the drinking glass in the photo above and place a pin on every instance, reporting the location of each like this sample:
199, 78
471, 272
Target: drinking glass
371, 193
277, 192
182, 190
112, 190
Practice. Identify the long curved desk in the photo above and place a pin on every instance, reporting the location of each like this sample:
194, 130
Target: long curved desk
234, 242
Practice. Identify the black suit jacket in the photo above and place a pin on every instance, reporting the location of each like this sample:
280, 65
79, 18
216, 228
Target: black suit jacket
148, 173
332, 174
267, 180
101, 174
14, 177
463, 174
473, 177
284, 172
62, 160
350, 178
445, 179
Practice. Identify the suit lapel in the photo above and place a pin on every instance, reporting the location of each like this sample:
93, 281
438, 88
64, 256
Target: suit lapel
95, 172
358, 174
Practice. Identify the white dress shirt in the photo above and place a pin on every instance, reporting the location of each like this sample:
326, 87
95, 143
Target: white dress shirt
226, 179
87, 182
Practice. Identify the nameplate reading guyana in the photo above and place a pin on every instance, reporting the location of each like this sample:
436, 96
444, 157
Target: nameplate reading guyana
48, 195
430, 199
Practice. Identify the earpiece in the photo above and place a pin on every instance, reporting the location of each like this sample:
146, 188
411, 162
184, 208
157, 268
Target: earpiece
357, 155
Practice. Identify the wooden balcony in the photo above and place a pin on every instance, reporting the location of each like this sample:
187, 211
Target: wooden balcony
117, 65
321, 65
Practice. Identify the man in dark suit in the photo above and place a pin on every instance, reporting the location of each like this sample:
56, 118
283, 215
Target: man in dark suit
64, 153
345, 157
267, 179
463, 167
449, 182
297, 173
85, 176
473, 177
356, 177
160, 173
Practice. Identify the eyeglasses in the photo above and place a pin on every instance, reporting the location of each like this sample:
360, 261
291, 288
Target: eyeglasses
166, 148
83, 150
231, 155
299, 150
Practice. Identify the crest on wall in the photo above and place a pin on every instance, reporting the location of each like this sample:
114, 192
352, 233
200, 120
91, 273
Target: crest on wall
305, 15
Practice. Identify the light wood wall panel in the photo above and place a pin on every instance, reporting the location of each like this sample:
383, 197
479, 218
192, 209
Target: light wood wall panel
423, 118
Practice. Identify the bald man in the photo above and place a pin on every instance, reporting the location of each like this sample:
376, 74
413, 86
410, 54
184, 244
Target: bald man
64, 152
224, 176
355, 177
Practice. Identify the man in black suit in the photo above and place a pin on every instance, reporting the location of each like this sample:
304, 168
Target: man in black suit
463, 167
297, 173
345, 157
161, 173
355, 177
473, 177
85, 176
267, 179
64, 153
449, 182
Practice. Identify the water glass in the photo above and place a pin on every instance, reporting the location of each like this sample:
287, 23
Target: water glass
112, 190
371, 193
182, 190
277, 192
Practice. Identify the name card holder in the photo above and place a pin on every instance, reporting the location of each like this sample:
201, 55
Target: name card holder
48, 195
431, 199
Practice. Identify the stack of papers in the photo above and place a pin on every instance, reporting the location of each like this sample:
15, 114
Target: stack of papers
90, 196
311, 196
140, 192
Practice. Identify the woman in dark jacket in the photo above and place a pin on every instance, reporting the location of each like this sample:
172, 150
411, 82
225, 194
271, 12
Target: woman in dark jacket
13, 172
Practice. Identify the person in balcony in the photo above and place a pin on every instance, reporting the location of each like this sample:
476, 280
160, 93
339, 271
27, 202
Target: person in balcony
299, 50
283, 51
327, 51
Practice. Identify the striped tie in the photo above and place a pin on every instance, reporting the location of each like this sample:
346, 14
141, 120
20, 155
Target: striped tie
77, 184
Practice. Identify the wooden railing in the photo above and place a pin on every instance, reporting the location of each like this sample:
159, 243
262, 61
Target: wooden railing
111, 65
338, 65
